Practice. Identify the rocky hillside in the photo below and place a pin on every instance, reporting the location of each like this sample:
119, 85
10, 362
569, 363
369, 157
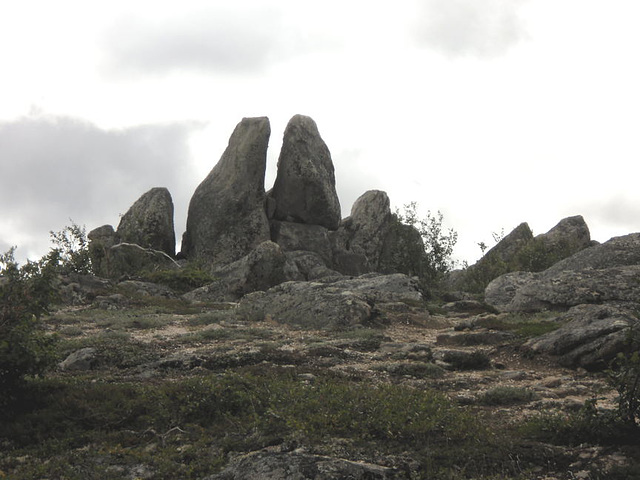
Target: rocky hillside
285, 342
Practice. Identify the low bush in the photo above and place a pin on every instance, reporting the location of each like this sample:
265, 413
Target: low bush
506, 395
25, 295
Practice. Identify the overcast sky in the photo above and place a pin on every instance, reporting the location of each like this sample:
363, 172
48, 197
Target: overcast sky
494, 112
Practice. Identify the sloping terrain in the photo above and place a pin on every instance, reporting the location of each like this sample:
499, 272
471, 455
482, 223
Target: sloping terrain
169, 389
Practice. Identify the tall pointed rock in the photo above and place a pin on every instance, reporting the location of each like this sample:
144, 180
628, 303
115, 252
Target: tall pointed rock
226, 218
305, 187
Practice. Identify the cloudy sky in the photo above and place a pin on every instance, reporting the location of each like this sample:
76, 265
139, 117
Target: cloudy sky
493, 112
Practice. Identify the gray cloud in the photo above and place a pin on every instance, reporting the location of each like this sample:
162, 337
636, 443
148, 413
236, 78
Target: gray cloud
481, 28
58, 168
216, 39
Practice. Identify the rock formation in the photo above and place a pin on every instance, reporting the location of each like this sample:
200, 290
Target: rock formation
305, 187
270, 465
608, 272
149, 222
333, 304
226, 218
358, 243
590, 335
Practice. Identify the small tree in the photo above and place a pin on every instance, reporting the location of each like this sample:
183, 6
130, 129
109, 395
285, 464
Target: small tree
624, 376
73, 249
433, 259
25, 294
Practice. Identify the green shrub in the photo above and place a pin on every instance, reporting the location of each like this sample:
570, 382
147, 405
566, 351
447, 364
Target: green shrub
25, 294
424, 248
506, 395
624, 376
72, 248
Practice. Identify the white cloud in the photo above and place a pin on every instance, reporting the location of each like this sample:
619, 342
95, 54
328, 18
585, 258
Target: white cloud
61, 168
482, 28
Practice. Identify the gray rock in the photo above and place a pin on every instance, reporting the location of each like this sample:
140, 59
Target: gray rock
297, 236
403, 251
101, 239
501, 291
227, 216
569, 236
129, 259
590, 335
147, 289
265, 267
81, 360
564, 289
341, 303
618, 251
310, 266
305, 187
607, 272
149, 222
363, 233
307, 305
78, 289
269, 465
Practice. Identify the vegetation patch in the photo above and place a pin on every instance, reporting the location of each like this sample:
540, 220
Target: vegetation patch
506, 395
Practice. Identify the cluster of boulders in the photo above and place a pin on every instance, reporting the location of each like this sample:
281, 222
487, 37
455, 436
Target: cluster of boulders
250, 239
595, 288
287, 249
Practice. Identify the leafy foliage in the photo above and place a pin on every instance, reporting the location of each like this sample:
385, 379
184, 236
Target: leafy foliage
25, 294
624, 376
72, 248
425, 247
182, 281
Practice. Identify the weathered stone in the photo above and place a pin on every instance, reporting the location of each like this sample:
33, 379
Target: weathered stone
227, 216
341, 303
269, 465
590, 335
403, 251
310, 265
501, 291
101, 239
603, 273
265, 267
127, 259
81, 360
147, 289
297, 236
618, 251
149, 222
569, 236
363, 233
306, 305
77, 289
305, 187
564, 289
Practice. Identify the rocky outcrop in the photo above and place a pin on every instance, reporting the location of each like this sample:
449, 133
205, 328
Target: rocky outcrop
101, 239
270, 465
569, 236
342, 303
609, 272
358, 243
521, 252
590, 335
297, 236
226, 218
265, 267
149, 222
305, 187
129, 259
